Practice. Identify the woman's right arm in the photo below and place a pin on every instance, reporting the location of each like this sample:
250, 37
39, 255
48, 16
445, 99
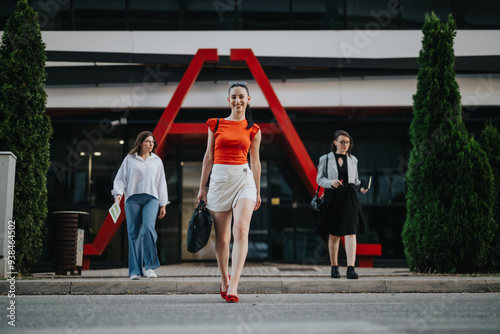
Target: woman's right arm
322, 180
208, 161
120, 182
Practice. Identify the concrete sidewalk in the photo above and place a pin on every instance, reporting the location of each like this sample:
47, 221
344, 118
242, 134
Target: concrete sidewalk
196, 278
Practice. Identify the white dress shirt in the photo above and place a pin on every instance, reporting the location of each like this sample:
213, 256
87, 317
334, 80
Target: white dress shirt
139, 176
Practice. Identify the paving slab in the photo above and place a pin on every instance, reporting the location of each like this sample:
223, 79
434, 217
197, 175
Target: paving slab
125, 286
447, 284
257, 278
333, 286
493, 285
35, 287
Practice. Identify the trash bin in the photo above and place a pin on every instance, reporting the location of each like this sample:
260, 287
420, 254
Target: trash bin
68, 241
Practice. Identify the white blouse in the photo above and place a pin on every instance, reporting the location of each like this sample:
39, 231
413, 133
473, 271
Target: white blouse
139, 176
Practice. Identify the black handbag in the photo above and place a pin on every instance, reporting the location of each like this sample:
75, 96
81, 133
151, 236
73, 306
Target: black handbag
318, 203
199, 228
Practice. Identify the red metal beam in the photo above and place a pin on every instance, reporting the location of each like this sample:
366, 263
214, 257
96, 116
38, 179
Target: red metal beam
165, 126
109, 228
89, 249
296, 149
167, 118
104, 236
365, 253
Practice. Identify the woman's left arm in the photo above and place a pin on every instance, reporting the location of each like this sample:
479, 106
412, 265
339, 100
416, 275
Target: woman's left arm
255, 165
161, 186
357, 182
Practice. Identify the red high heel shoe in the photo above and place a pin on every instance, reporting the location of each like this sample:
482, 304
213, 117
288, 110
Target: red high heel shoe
223, 294
232, 299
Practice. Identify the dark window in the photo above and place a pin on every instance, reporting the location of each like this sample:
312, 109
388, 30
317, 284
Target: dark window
100, 15
54, 15
153, 15
372, 15
7, 7
265, 15
254, 15
413, 12
209, 15
317, 14
85, 160
478, 14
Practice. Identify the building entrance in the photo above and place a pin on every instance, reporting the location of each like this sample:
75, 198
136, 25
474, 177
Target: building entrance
191, 173
258, 249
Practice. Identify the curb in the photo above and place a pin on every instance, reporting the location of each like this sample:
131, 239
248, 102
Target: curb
253, 286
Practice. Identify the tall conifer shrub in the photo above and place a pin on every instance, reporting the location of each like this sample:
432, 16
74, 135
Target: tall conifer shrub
25, 129
449, 179
490, 143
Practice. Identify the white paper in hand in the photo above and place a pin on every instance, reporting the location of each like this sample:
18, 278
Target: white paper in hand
115, 211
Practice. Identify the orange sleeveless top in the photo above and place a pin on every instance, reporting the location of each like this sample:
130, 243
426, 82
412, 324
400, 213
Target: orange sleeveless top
232, 141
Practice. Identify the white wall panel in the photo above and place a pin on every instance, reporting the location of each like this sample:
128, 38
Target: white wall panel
379, 44
89, 41
477, 43
326, 43
263, 43
373, 91
476, 90
480, 90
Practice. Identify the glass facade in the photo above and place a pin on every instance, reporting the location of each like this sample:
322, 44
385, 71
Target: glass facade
87, 151
376, 14
254, 15
153, 15
100, 15
88, 146
317, 15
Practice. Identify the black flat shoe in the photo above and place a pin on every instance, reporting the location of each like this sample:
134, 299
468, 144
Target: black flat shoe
335, 272
351, 274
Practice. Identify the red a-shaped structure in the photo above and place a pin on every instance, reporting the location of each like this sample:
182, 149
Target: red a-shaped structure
295, 148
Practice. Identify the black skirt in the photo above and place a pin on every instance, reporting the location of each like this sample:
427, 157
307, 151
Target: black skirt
343, 214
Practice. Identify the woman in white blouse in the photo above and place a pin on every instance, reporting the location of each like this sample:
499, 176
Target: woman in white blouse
141, 180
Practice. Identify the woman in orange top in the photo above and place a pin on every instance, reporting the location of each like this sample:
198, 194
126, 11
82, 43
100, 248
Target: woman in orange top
234, 189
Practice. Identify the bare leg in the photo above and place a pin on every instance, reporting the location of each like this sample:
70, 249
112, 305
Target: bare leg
333, 248
222, 222
242, 213
350, 249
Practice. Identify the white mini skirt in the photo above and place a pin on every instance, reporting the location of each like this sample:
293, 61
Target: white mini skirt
229, 183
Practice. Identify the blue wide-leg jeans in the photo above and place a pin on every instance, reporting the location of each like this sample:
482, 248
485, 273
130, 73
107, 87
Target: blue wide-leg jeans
141, 211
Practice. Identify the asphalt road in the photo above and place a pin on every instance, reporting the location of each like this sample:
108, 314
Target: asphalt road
273, 313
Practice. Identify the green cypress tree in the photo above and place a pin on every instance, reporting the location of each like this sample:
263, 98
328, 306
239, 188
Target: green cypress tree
25, 129
490, 143
449, 178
